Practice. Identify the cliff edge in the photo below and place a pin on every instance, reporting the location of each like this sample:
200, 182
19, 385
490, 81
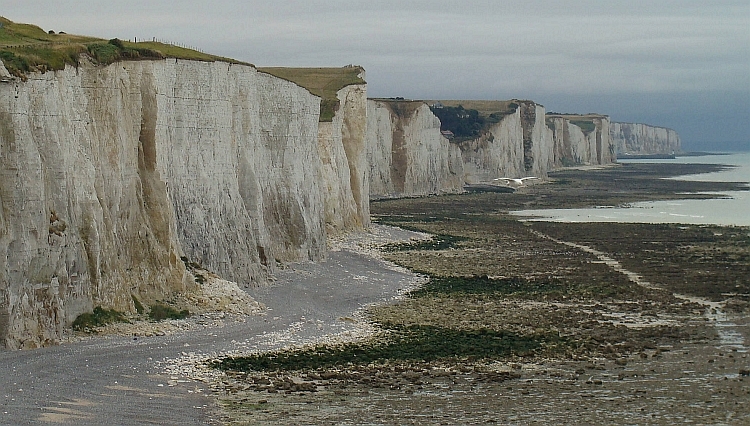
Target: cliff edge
341, 141
407, 154
111, 176
581, 139
644, 139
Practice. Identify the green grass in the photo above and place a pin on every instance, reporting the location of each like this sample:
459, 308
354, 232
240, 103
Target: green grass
159, 312
413, 343
99, 317
323, 82
138, 305
15, 34
116, 50
585, 125
486, 108
584, 121
26, 48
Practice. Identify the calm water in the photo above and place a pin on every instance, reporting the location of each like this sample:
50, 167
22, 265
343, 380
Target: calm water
732, 209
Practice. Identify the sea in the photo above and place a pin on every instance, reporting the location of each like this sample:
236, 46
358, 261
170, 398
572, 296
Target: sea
732, 208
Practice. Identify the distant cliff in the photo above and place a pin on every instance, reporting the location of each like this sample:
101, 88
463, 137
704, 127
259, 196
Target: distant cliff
407, 154
117, 173
109, 175
643, 139
581, 139
519, 144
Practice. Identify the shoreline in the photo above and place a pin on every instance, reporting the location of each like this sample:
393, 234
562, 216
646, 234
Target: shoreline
614, 336
595, 339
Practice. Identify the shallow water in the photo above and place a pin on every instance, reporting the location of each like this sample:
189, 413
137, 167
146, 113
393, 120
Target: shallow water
731, 209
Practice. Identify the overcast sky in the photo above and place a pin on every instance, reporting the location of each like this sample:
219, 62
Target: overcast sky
683, 64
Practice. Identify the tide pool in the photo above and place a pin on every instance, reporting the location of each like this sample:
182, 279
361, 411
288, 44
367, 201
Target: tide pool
733, 208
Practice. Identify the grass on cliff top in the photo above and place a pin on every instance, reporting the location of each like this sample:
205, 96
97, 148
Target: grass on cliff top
585, 125
485, 108
584, 121
26, 48
323, 82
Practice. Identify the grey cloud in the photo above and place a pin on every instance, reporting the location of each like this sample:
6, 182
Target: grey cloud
576, 50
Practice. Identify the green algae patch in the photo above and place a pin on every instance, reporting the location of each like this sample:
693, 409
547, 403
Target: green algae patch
486, 285
410, 343
160, 311
437, 242
99, 317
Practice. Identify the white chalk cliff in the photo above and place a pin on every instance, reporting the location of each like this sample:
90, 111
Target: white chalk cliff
110, 174
112, 177
407, 154
576, 146
520, 144
343, 151
640, 139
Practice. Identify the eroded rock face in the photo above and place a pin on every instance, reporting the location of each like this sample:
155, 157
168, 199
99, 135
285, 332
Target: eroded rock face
407, 154
343, 151
635, 138
576, 146
519, 145
109, 175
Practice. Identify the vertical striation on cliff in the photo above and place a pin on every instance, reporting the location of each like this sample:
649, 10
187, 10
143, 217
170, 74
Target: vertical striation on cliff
518, 144
110, 174
643, 139
581, 139
407, 154
342, 149
341, 141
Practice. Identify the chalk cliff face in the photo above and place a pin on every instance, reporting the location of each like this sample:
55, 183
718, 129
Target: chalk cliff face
109, 175
520, 144
574, 145
407, 154
343, 151
633, 138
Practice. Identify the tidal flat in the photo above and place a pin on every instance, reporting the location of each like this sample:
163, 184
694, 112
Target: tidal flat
534, 322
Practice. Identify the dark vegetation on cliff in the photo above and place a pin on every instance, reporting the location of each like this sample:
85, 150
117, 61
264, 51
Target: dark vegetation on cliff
463, 123
323, 82
469, 119
584, 121
26, 48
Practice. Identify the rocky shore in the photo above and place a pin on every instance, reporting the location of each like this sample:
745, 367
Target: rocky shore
532, 323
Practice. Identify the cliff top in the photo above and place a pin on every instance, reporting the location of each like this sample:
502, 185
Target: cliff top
468, 119
644, 124
584, 121
26, 48
322, 82
485, 108
589, 116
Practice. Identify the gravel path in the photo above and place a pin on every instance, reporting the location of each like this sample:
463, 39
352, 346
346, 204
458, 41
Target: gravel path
144, 380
